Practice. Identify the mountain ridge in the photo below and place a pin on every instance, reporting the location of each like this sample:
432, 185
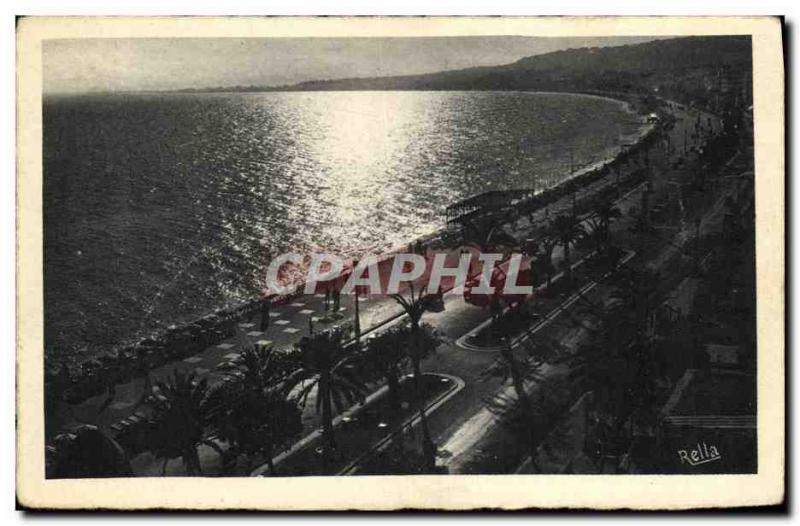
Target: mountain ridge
683, 67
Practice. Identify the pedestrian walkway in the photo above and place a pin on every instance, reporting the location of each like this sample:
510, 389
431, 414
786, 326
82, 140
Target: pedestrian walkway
286, 325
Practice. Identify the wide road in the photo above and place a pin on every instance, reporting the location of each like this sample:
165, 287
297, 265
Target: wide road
460, 426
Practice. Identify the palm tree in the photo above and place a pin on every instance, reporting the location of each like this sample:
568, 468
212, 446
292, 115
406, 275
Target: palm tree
641, 289
256, 422
568, 231
322, 361
254, 415
546, 261
595, 233
414, 308
387, 354
388, 357
608, 376
619, 364
604, 213
181, 416
88, 453
259, 367
509, 367
485, 232
594, 368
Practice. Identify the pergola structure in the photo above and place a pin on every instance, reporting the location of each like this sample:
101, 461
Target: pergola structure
491, 201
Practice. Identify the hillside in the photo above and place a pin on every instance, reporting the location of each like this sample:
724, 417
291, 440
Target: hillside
684, 68
690, 69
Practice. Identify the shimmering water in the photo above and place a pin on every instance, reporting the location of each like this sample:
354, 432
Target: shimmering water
159, 208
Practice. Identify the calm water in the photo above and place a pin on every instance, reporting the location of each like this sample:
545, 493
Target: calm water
159, 208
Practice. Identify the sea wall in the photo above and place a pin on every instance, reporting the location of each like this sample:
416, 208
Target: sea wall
123, 363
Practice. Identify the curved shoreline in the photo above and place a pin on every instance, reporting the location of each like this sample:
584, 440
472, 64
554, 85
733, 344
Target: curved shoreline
217, 325
605, 158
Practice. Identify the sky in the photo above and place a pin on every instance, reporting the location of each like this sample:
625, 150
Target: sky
85, 65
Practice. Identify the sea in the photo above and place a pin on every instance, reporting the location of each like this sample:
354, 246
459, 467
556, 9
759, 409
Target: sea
161, 207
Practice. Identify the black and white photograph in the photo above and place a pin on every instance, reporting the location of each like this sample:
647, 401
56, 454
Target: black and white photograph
272, 257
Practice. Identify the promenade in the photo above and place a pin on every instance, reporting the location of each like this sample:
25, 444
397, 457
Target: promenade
460, 425
469, 436
478, 442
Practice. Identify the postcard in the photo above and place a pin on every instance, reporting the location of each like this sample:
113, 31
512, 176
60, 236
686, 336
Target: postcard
393, 263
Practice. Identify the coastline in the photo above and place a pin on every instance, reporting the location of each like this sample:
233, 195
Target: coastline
183, 340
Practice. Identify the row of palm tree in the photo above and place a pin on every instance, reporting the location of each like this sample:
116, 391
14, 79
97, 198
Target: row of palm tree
324, 363
258, 408
181, 419
623, 359
252, 413
340, 372
414, 308
262, 417
517, 409
599, 224
617, 364
565, 230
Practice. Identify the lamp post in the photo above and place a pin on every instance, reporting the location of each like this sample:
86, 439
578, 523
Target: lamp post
357, 323
571, 170
265, 301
